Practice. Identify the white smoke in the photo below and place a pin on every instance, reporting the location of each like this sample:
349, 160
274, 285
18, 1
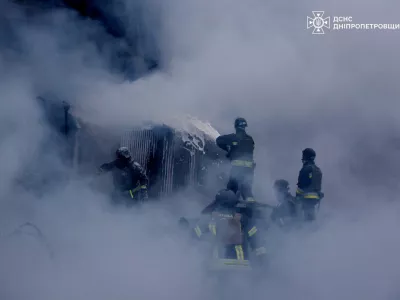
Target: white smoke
220, 59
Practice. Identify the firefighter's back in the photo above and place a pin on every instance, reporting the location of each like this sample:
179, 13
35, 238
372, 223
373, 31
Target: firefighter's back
230, 249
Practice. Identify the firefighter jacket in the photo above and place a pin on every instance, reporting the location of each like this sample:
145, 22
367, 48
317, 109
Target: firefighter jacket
309, 181
234, 237
240, 148
127, 177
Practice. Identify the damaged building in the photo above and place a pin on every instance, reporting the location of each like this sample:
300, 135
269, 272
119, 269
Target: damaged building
175, 157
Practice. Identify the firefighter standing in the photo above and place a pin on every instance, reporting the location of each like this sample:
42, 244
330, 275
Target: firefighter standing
309, 183
285, 211
130, 180
240, 148
235, 234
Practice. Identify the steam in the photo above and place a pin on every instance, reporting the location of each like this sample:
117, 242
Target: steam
220, 59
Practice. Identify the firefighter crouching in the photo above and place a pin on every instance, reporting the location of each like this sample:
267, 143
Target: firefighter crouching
129, 178
240, 148
236, 239
308, 192
285, 212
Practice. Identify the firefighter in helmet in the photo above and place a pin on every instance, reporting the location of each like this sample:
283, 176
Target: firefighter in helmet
234, 233
285, 211
309, 184
129, 178
240, 151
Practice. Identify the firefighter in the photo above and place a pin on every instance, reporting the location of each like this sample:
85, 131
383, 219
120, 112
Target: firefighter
240, 148
309, 183
285, 211
130, 180
235, 236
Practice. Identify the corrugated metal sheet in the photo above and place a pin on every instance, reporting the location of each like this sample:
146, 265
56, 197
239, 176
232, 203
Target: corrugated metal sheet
169, 161
172, 162
167, 167
154, 150
141, 143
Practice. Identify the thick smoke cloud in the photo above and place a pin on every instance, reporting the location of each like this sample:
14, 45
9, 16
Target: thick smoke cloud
220, 59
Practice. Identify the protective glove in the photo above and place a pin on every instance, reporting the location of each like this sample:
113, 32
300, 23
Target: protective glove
102, 168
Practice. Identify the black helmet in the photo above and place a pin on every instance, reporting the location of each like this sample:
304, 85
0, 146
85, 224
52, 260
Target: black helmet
281, 185
226, 198
240, 123
308, 154
123, 153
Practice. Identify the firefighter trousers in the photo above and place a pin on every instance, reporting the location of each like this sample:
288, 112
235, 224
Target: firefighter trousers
309, 208
241, 180
128, 198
